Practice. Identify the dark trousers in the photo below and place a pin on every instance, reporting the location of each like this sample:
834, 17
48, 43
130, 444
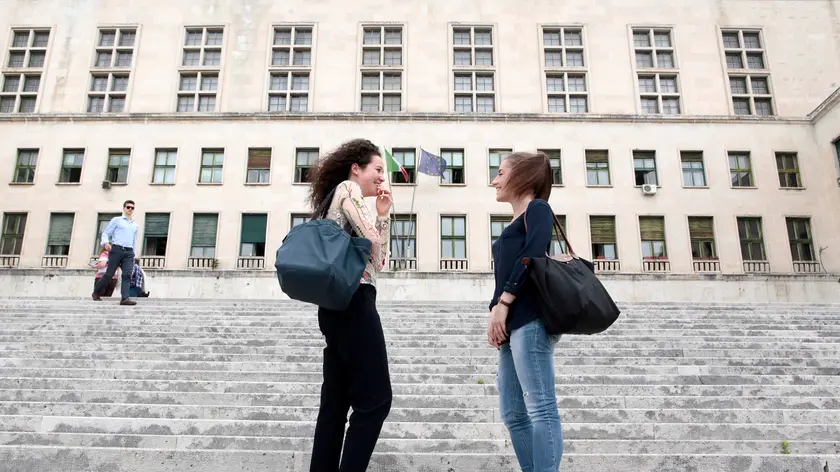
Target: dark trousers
122, 258
355, 375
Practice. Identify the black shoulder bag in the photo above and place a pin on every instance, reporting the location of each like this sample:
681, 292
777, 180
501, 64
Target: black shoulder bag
571, 298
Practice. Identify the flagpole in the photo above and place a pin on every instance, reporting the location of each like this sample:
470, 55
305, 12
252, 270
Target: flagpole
411, 213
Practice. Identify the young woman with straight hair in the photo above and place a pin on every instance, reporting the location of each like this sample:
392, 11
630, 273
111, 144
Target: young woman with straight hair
527, 399
355, 360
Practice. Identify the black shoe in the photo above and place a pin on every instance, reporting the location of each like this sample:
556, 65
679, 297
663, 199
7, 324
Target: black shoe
128, 302
96, 297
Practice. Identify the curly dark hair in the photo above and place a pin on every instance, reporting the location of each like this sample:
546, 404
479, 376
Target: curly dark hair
334, 168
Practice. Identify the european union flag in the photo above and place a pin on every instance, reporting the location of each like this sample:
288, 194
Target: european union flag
431, 164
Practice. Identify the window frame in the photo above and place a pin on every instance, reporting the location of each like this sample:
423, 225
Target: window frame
796, 171
761, 240
798, 242
473, 68
751, 172
291, 70
65, 152
453, 238
201, 70
24, 71
564, 71
450, 167
504, 153
692, 153
165, 168
655, 71
112, 152
19, 238
745, 72
650, 243
411, 238
396, 176
701, 241
655, 167
381, 70
557, 154
592, 242
597, 170
48, 250
213, 167
32, 169
113, 70
297, 177
215, 239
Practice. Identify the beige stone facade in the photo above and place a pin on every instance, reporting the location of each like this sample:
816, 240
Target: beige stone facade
639, 81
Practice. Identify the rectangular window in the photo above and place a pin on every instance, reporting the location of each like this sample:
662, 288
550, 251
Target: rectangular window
564, 68
473, 69
454, 174
495, 158
656, 70
404, 237
382, 69
497, 225
305, 161
554, 158
453, 237
701, 230
787, 164
165, 164
558, 246
156, 234
27, 162
72, 161
298, 219
801, 239
14, 227
198, 86
253, 235
740, 169
407, 159
749, 76
751, 234
111, 70
212, 166
603, 235
290, 69
205, 226
644, 165
259, 166
118, 161
597, 168
652, 231
21, 79
694, 172
102, 221
60, 233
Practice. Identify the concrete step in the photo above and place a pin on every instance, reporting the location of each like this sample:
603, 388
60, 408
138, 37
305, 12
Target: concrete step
221, 385
49, 459
419, 401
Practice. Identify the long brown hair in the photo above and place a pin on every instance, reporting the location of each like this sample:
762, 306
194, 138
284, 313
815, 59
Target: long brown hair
530, 173
334, 168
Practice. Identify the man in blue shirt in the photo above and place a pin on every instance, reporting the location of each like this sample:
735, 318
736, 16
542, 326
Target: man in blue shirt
119, 239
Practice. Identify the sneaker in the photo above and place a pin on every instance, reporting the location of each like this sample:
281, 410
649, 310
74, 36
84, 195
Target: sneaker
96, 297
126, 301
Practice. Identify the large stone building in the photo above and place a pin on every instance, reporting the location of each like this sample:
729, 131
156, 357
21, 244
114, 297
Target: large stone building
701, 137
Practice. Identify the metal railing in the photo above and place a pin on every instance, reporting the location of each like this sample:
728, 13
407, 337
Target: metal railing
454, 264
707, 265
153, 262
9, 262
54, 262
403, 264
250, 263
756, 266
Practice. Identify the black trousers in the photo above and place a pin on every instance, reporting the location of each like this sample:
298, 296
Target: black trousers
355, 375
122, 258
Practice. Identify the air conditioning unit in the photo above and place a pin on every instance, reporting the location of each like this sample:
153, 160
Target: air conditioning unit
106, 184
649, 189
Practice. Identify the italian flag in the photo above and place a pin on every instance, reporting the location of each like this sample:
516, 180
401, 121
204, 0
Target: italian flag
394, 166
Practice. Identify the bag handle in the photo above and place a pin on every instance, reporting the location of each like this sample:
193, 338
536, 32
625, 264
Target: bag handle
557, 226
319, 212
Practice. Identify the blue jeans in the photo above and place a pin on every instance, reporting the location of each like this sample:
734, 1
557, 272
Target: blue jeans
527, 400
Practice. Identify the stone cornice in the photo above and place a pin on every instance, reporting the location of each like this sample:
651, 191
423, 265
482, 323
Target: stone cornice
827, 105
147, 118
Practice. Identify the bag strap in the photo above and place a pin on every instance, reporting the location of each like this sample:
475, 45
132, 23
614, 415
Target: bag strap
321, 213
557, 226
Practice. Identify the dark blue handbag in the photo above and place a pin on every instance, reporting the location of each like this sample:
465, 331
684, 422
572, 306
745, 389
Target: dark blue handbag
320, 262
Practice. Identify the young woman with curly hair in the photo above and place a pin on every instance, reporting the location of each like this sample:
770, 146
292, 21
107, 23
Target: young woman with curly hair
355, 360
527, 399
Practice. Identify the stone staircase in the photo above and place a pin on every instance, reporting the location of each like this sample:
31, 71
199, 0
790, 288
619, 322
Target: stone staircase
215, 385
